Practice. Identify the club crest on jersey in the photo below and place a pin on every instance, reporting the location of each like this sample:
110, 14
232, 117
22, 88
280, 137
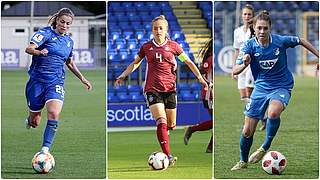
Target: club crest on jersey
276, 51
167, 48
151, 49
205, 65
37, 37
268, 64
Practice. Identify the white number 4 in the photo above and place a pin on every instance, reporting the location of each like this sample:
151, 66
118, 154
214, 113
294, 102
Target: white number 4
60, 90
159, 56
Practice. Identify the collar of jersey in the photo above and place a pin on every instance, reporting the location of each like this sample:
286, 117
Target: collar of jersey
256, 39
164, 43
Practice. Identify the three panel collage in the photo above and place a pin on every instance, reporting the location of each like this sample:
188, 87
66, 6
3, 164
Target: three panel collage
159, 89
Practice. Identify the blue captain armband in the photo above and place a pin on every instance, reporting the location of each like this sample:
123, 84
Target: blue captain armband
182, 57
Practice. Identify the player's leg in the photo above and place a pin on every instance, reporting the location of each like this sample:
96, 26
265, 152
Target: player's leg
246, 139
54, 108
242, 86
278, 101
54, 104
35, 100
206, 125
209, 147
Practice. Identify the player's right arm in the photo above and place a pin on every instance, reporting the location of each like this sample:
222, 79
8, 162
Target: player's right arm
235, 56
242, 62
132, 67
31, 49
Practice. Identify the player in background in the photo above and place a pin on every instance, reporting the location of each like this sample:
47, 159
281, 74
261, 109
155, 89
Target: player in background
206, 96
240, 36
51, 48
160, 82
266, 55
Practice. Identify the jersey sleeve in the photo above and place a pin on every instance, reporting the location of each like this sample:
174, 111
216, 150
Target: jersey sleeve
236, 43
246, 49
141, 52
177, 49
71, 52
39, 37
290, 41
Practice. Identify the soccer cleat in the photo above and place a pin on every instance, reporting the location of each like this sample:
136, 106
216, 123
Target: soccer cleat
257, 155
187, 135
240, 165
28, 126
172, 160
44, 149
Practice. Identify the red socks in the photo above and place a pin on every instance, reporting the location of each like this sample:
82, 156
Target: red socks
202, 126
162, 135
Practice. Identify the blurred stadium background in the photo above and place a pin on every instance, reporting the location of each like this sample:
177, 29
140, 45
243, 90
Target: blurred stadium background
129, 26
299, 18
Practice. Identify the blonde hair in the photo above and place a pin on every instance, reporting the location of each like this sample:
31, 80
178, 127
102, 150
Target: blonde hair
63, 11
163, 18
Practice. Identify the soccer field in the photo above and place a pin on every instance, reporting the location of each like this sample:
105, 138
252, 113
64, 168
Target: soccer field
128, 154
80, 144
297, 138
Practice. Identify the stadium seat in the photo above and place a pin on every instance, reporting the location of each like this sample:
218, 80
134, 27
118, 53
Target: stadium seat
127, 34
112, 98
123, 97
195, 86
120, 89
115, 34
139, 34
134, 88
183, 86
132, 44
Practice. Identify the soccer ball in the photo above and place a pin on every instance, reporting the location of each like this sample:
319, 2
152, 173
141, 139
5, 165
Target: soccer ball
274, 162
158, 161
43, 162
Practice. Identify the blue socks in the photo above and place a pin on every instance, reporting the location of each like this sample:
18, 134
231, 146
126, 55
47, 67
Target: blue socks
245, 145
271, 131
49, 132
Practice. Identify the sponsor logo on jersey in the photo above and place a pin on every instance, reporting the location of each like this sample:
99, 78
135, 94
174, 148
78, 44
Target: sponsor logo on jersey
268, 64
37, 37
281, 95
276, 51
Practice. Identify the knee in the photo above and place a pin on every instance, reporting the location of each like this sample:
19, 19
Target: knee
53, 115
273, 114
246, 132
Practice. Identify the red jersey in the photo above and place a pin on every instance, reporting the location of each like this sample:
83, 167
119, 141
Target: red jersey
207, 68
161, 65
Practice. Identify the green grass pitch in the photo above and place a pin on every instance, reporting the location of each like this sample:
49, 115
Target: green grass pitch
128, 154
297, 138
80, 145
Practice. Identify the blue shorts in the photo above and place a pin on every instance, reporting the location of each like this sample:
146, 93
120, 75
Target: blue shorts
39, 93
259, 101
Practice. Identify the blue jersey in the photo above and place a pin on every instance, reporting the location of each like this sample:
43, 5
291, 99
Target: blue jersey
269, 64
51, 67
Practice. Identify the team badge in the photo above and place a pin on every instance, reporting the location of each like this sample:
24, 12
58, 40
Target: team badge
256, 54
38, 37
276, 51
167, 48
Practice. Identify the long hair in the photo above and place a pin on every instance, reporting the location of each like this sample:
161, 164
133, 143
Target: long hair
206, 50
63, 11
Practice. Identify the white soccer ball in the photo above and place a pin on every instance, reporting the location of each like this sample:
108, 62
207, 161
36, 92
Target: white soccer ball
43, 162
158, 161
274, 162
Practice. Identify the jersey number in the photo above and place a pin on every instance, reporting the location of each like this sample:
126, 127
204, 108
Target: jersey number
59, 89
159, 56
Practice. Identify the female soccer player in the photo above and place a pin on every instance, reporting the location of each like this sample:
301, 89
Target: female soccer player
51, 48
266, 54
240, 36
206, 96
160, 83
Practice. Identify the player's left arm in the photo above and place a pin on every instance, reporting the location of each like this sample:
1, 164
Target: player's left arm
306, 44
74, 69
184, 58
